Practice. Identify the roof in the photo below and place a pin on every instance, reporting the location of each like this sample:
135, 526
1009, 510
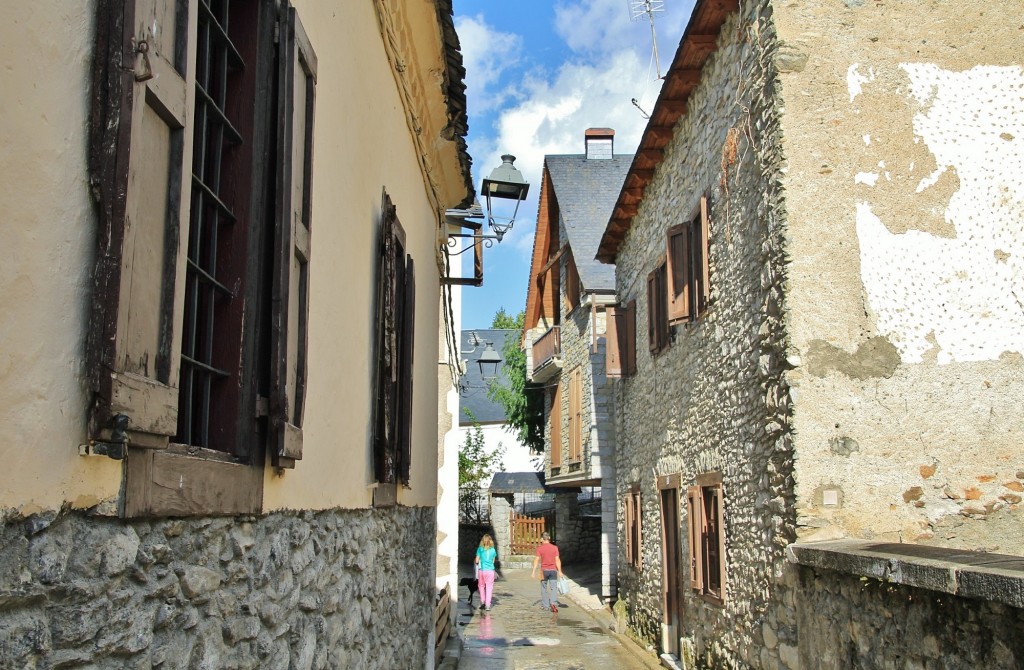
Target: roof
484, 410
699, 41
455, 94
586, 190
517, 482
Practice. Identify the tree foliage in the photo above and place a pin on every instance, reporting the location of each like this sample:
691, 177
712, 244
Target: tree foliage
523, 402
476, 466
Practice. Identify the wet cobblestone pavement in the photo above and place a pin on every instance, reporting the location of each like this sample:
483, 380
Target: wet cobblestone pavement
516, 634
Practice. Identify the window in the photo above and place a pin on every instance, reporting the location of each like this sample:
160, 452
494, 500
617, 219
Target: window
396, 309
576, 415
634, 523
198, 330
707, 537
657, 321
620, 339
556, 428
688, 278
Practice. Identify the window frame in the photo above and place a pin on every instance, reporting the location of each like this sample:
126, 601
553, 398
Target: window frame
706, 559
688, 277
657, 318
228, 479
555, 457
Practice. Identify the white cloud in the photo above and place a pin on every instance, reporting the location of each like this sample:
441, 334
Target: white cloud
603, 26
486, 54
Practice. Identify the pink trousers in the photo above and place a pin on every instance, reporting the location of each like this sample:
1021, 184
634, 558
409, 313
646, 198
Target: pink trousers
486, 583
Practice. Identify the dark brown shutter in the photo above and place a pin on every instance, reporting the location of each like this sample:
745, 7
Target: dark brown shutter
652, 311
290, 310
408, 337
629, 339
678, 272
140, 145
703, 269
628, 527
694, 505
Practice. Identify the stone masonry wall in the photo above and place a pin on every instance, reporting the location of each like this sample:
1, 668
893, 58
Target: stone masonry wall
715, 399
331, 589
850, 622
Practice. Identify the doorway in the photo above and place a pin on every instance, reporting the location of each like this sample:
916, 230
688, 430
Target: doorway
671, 561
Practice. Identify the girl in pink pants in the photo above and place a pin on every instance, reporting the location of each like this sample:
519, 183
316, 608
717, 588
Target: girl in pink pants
485, 555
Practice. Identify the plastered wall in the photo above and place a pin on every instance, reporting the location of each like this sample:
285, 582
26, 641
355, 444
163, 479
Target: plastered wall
904, 127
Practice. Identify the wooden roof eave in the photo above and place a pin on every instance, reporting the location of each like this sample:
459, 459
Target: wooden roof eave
699, 41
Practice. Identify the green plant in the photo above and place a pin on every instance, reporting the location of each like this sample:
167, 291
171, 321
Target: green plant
476, 466
523, 402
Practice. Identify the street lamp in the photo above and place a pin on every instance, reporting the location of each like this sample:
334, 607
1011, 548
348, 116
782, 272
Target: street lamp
489, 361
505, 183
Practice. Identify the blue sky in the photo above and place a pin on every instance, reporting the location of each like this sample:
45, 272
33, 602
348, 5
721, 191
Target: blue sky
538, 74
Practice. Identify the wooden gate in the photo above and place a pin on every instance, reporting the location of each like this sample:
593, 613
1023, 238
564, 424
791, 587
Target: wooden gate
442, 622
526, 531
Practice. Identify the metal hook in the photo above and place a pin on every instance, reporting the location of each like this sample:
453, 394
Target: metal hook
147, 68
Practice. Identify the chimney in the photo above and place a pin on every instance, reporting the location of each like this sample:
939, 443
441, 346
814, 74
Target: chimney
599, 143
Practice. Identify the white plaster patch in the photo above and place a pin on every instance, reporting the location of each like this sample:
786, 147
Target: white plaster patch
956, 294
867, 140
869, 178
855, 80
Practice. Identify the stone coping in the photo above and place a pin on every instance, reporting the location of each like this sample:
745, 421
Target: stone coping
969, 574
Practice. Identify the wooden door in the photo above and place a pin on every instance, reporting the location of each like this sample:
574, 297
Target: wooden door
671, 561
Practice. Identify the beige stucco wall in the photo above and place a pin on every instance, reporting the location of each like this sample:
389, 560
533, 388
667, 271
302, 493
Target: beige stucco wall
904, 138
363, 144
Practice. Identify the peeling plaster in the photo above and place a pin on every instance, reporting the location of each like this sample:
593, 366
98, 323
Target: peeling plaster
967, 289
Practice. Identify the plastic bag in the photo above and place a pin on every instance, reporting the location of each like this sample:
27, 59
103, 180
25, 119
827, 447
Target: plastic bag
563, 586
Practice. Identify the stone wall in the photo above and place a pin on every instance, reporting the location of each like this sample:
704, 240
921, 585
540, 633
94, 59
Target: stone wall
715, 399
331, 589
849, 622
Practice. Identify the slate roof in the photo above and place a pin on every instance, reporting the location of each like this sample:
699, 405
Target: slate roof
476, 399
586, 191
517, 482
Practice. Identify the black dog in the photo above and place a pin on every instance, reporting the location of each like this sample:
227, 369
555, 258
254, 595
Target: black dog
472, 584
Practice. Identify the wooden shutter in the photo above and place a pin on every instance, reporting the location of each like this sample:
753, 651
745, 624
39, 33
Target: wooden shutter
629, 347
628, 527
140, 147
290, 309
657, 321
703, 267
678, 272
694, 535
556, 426
408, 337
391, 265
711, 540
572, 282
575, 415
614, 345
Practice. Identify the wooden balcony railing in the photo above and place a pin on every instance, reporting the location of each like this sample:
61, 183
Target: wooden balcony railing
547, 347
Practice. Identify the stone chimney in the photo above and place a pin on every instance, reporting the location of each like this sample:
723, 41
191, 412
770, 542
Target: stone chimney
599, 143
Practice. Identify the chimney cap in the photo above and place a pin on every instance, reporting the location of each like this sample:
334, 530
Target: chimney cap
599, 133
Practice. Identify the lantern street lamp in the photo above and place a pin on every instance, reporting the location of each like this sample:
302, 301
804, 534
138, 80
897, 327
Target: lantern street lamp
505, 183
489, 361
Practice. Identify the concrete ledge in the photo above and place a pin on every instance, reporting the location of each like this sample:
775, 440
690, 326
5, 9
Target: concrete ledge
969, 574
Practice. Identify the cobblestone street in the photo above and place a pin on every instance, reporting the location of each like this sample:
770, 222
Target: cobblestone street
518, 635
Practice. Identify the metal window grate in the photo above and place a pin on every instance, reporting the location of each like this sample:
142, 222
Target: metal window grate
216, 59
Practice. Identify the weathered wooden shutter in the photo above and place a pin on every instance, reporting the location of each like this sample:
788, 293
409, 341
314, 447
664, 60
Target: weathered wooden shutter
652, 311
711, 540
140, 147
556, 427
629, 347
694, 535
575, 415
703, 268
408, 337
678, 272
290, 307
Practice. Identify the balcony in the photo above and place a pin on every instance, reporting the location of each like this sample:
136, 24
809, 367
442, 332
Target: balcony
547, 355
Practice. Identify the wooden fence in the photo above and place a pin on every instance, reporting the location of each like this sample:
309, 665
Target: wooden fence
442, 622
526, 532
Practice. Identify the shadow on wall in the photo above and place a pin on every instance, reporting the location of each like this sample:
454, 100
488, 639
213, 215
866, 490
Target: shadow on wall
469, 540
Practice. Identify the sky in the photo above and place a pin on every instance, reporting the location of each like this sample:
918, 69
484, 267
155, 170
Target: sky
538, 74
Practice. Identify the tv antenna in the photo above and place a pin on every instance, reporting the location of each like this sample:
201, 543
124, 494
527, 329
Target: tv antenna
640, 8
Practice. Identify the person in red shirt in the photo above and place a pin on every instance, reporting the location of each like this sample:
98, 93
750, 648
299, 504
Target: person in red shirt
551, 570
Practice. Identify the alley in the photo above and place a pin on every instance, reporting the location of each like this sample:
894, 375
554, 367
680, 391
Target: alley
518, 635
